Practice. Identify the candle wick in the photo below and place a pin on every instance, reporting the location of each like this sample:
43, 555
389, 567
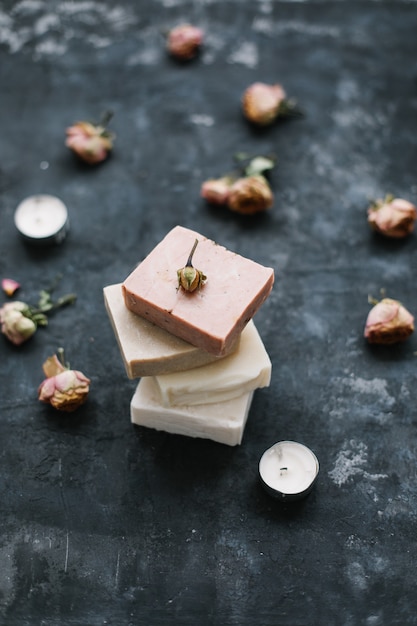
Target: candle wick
283, 469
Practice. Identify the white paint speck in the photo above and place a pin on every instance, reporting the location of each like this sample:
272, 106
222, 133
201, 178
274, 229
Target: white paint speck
373, 387
99, 42
200, 119
44, 165
46, 23
350, 462
262, 25
50, 47
67, 21
246, 54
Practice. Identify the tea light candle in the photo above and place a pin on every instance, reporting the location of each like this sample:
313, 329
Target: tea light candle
42, 219
288, 470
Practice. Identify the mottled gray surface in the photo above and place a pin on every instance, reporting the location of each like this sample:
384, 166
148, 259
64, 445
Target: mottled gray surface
105, 523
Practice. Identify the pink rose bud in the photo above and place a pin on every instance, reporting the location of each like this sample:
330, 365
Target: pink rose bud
9, 286
92, 143
263, 103
388, 322
184, 41
15, 325
216, 190
393, 217
250, 195
65, 389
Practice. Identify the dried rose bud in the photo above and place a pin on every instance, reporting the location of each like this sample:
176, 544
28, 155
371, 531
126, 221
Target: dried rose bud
388, 322
90, 142
263, 103
9, 286
250, 195
189, 278
393, 217
16, 323
19, 320
216, 190
65, 389
184, 41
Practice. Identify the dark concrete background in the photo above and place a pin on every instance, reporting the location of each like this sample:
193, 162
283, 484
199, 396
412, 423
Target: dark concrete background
106, 523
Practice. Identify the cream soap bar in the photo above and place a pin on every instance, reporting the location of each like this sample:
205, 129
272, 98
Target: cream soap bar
213, 316
223, 422
247, 369
146, 349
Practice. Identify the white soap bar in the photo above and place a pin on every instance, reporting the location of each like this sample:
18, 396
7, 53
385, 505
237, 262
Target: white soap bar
146, 349
247, 369
223, 422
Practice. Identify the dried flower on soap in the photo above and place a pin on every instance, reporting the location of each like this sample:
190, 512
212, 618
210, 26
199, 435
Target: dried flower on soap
9, 286
388, 322
247, 190
184, 41
91, 142
392, 217
65, 389
262, 104
189, 278
19, 320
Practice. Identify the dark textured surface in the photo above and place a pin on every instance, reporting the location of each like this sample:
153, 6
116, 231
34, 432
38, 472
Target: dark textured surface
105, 523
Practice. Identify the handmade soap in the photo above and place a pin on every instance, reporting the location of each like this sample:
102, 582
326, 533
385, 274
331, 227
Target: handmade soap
223, 422
146, 349
212, 316
247, 369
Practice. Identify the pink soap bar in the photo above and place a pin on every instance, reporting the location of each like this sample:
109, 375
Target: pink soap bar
213, 316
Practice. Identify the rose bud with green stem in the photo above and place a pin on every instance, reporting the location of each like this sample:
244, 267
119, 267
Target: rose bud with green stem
189, 278
19, 320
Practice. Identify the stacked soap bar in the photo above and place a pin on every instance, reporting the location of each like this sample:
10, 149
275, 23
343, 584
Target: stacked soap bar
199, 354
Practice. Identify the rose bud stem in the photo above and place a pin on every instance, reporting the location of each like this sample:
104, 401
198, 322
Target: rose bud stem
61, 358
190, 258
105, 118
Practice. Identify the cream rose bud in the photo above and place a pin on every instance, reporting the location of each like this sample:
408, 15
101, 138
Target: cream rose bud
184, 41
216, 190
393, 217
262, 103
250, 195
388, 322
64, 389
90, 142
15, 325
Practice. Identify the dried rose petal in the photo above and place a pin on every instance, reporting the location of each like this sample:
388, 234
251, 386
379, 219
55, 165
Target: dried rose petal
9, 286
92, 143
64, 389
184, 41
392, 217
250, 195
262, 103
216, 190
15, 325
388, 322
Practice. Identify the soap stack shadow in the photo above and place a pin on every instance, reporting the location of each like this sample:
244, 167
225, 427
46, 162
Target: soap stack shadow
198, 355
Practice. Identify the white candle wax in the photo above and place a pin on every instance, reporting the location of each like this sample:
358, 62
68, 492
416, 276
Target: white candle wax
42, 218
288, 470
